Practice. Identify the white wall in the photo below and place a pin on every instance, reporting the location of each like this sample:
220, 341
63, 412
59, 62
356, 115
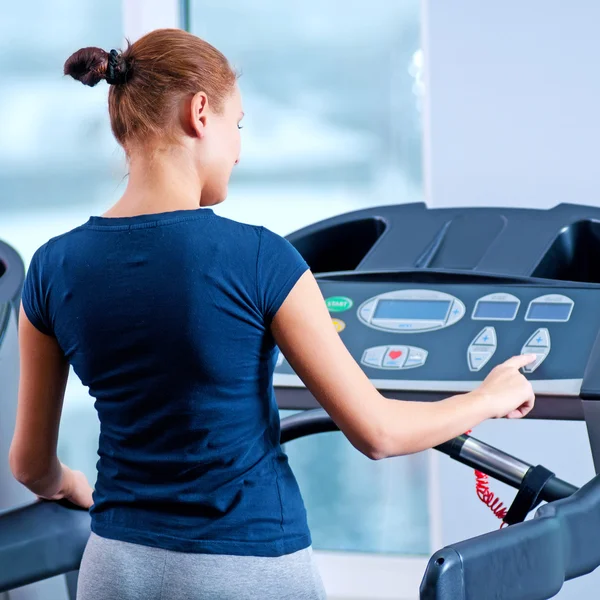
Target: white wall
142, 16
512, 119
512, 113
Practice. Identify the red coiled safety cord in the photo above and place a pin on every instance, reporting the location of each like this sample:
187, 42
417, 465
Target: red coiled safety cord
482, 487
488, 497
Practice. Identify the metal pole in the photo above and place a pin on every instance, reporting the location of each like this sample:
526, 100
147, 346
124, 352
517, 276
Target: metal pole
464, 449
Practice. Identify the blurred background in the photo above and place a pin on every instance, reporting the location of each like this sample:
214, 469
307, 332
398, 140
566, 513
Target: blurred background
348, 105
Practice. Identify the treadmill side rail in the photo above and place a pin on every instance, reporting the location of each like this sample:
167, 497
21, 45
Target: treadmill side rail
39, 541
527, 561
522, 562
444, 578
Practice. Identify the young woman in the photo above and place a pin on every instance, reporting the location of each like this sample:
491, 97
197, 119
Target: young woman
170, 315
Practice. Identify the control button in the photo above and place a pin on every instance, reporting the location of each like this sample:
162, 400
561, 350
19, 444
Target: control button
482, 348
478, 359
372, 357
416, 358
486, 338
538, 344
338, 324
366, 311
531, 367
457, 312
540, 339
394, 357
338, 303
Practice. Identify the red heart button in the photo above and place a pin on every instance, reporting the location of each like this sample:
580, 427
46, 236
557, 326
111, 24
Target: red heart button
394, 354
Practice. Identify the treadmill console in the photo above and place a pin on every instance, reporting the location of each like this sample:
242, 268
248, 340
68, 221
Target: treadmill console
428, 301
448, 337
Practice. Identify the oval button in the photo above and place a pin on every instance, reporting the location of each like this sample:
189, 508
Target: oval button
338, 303
338, 324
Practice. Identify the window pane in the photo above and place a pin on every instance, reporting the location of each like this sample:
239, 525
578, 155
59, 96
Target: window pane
58, 160
330, 91
355, 504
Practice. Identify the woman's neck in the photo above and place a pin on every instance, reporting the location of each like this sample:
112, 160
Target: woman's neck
163, 183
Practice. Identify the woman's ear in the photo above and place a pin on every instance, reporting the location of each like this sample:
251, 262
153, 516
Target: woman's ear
198, 114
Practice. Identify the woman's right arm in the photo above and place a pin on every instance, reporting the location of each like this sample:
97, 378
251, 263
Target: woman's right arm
375, 425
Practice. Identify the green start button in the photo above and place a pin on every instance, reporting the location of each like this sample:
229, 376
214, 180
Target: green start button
338, 303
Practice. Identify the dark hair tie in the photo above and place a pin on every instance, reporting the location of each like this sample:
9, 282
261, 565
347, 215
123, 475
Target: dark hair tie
117, 71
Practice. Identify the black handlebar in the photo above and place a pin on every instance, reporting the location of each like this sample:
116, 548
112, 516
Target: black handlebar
501, 466
464, 448
308, 422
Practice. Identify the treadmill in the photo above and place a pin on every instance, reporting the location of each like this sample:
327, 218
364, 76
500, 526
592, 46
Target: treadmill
403, 282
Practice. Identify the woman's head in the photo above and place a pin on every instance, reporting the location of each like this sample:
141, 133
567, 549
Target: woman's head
170, 89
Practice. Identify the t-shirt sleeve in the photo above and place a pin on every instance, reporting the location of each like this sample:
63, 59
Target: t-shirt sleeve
279, 266
34, 295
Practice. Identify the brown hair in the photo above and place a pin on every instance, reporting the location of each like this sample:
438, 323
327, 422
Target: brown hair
149, 80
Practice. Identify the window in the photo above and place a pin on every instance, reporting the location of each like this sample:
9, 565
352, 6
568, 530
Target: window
331, 95
357, 505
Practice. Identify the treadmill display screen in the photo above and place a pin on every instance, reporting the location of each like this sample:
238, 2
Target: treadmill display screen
549, 311
412, 310
505, 311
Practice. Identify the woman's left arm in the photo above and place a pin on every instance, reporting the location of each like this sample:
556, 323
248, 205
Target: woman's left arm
33, 453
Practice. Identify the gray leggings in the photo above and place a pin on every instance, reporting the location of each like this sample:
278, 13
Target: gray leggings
114, 570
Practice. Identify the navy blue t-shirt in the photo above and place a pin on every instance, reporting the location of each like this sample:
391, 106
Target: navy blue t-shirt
166, 318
